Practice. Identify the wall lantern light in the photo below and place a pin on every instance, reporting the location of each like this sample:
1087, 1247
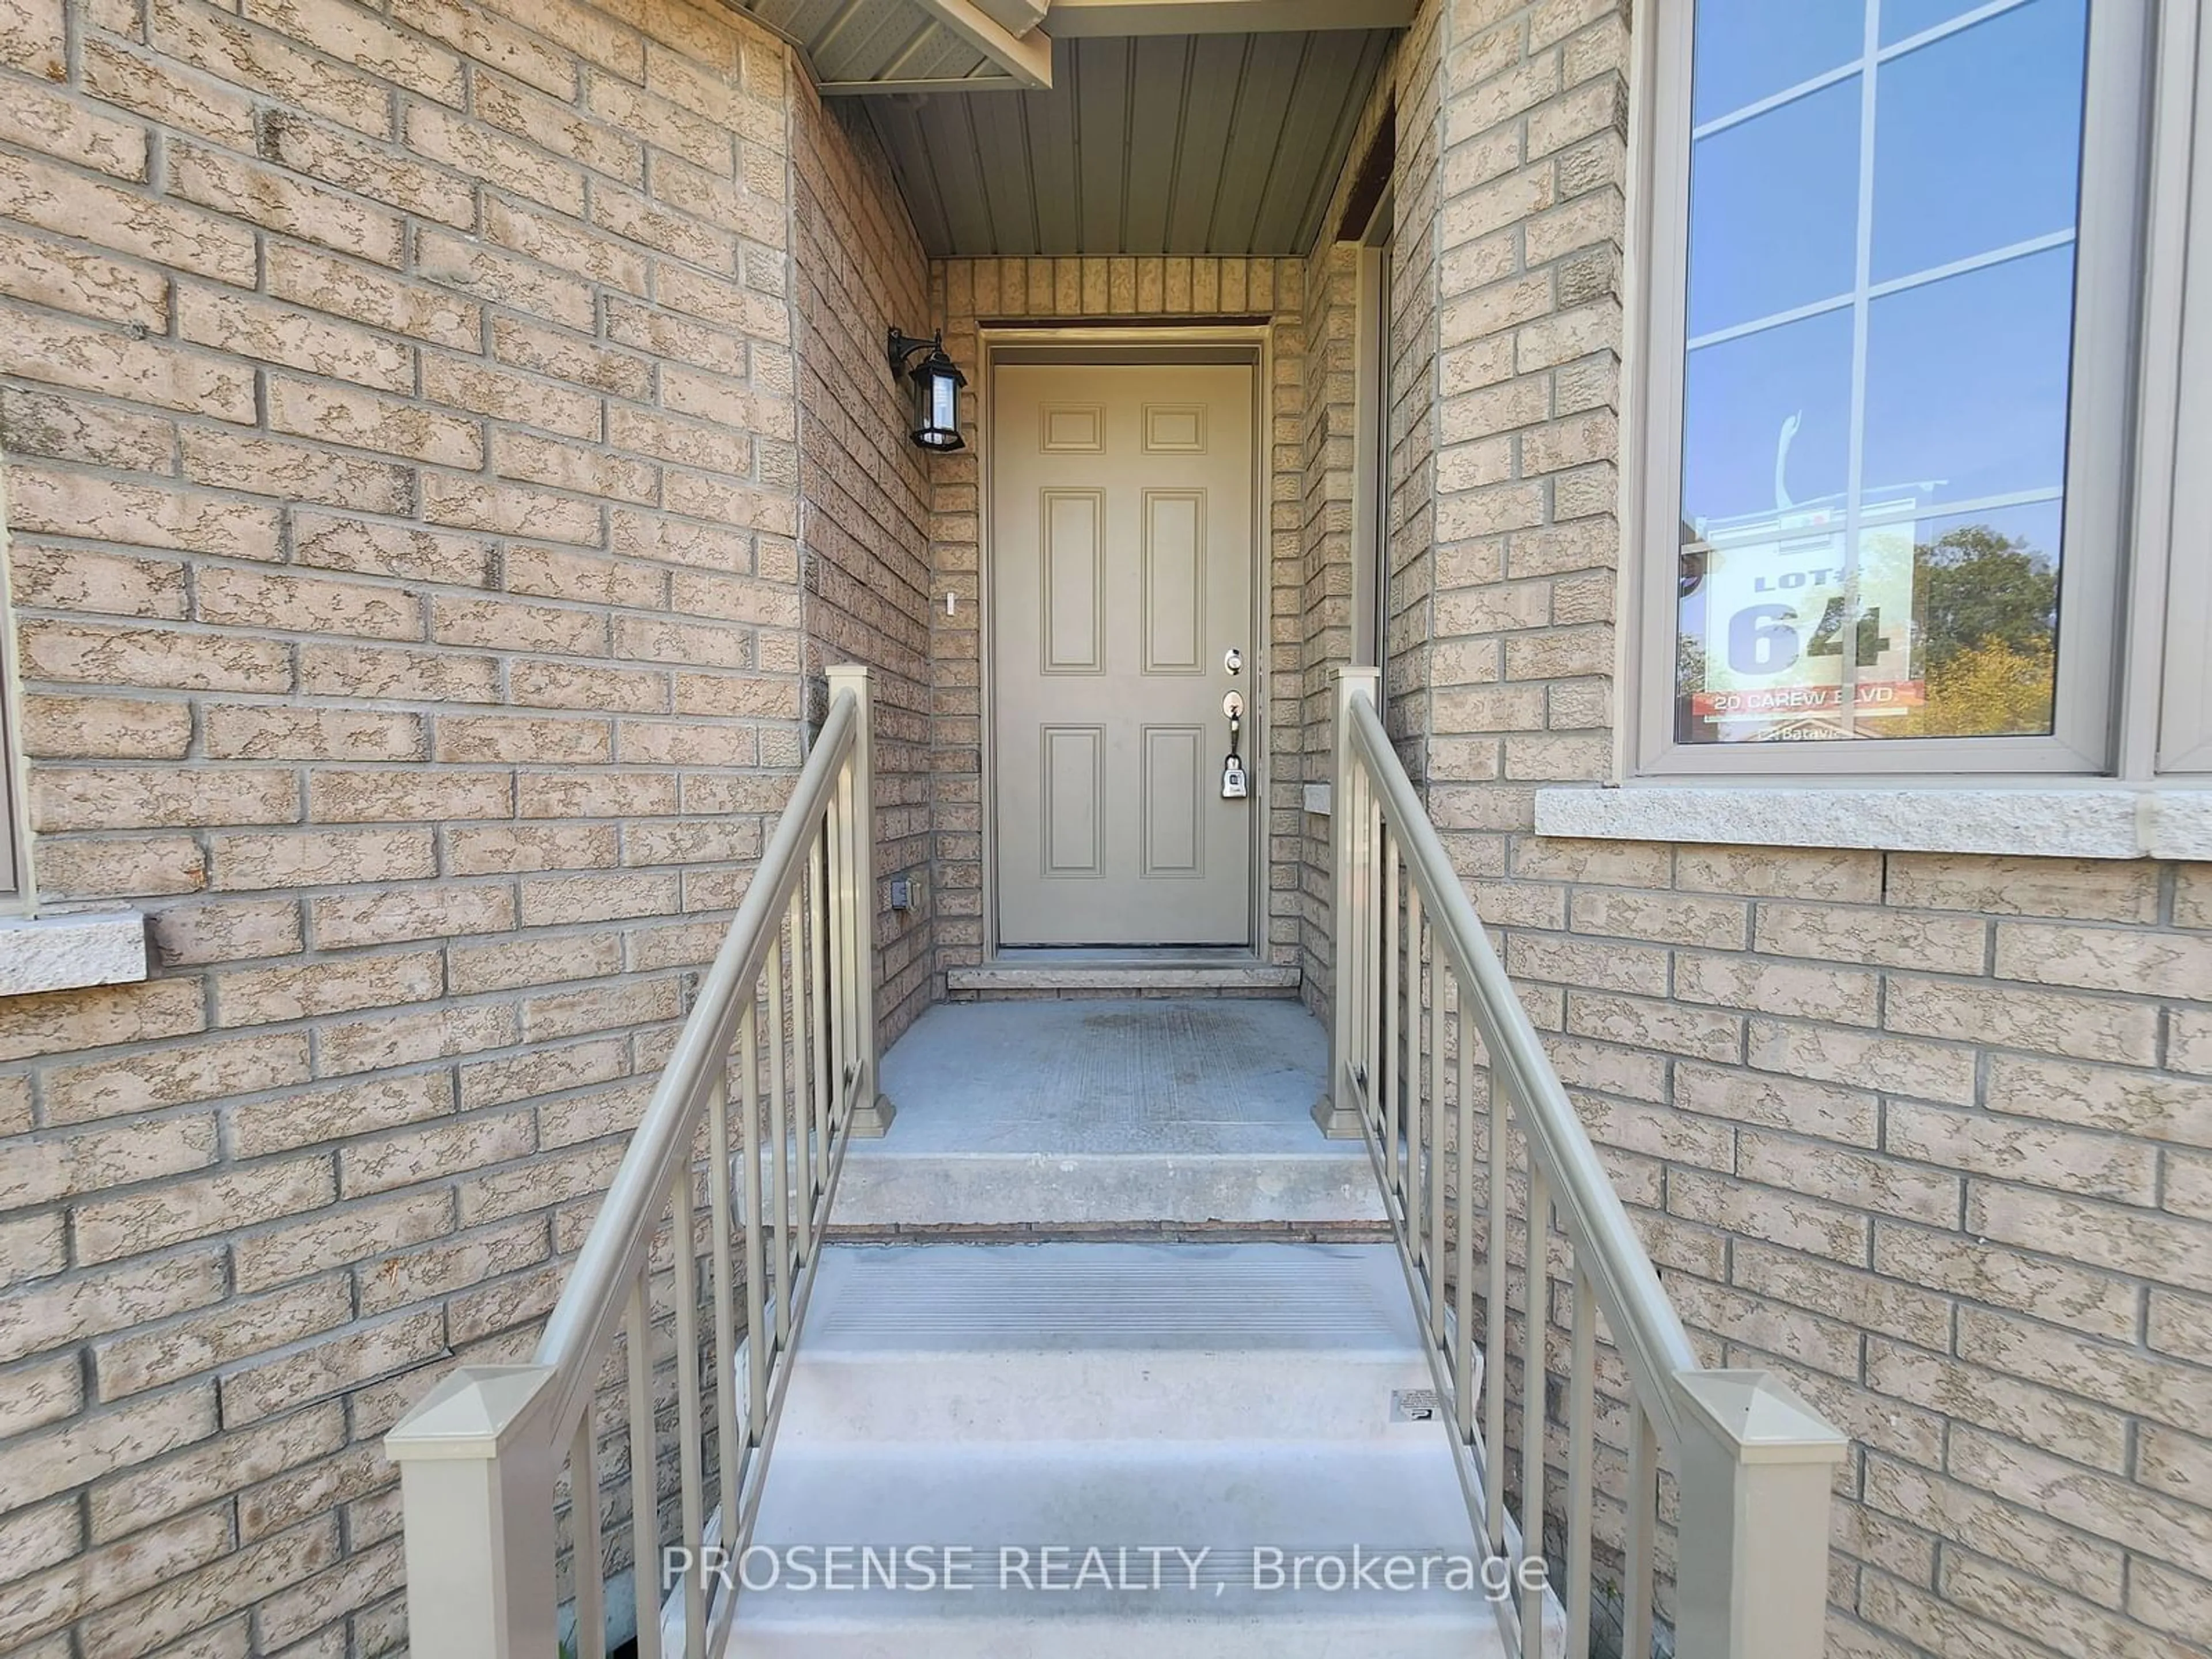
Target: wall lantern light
937, 386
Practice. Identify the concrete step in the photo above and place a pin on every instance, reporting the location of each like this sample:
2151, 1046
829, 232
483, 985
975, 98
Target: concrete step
1124, 979
1045, 1189
1171, 1342
1221, 1548
1393, 1635
1122, 1110
1185, 1451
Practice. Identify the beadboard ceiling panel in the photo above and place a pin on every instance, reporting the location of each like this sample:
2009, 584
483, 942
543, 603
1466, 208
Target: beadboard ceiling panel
1223, 144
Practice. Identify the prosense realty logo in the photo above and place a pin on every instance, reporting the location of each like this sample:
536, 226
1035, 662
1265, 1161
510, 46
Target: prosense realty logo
1120, 1569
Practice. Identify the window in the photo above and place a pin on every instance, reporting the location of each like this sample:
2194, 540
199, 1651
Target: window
1885, 393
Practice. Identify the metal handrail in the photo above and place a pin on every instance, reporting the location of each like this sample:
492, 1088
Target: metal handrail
784, 1026
1645, 1326
1751, 1460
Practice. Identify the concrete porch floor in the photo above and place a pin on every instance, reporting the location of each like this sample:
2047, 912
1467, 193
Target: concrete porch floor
1112, 1110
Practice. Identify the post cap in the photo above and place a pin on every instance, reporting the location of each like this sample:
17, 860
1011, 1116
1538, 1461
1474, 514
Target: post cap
471, 1413
1761, 1419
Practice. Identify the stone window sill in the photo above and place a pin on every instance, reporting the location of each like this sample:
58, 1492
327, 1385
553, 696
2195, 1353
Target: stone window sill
61, 953
2092, 822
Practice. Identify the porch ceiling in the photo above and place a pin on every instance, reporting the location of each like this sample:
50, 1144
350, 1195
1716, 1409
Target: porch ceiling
1202, 144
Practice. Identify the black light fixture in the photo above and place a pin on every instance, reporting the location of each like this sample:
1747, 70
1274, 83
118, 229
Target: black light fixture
937, 386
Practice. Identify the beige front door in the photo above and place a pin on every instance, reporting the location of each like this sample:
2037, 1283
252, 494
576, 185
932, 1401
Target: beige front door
1120, 580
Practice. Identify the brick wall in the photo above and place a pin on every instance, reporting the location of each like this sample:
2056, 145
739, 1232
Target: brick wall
403, 462
864, 487
1327, 541
1926, 1133
1075, 290
1406, 94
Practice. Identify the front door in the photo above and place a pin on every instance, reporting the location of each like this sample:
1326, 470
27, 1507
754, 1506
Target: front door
1121, 583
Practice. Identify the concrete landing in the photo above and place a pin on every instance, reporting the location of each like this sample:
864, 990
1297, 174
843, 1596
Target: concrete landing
1114, 1110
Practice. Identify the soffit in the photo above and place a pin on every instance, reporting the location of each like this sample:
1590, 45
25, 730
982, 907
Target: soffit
874, 45
1212, 143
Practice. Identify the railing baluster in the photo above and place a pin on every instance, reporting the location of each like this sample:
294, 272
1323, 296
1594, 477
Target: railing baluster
848, 907
1463, 1307
690, 1420
1532, 1408
1493, 1352
1352, 965
725, 1282
1435, 1182
802, 1087
835, 942
1409, 1097
751, 1154
778, 1143
1639, 1546
1374, 945
644, 1474
590, 1564
1387, 1085
1581, 1381
1365, 986
817, 961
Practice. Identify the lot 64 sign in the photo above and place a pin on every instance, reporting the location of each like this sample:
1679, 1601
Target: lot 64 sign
1779, 648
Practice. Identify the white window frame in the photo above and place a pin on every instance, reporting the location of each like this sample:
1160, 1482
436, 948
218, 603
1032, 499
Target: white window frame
44, 953
2096, 523
2176, 517
18, 891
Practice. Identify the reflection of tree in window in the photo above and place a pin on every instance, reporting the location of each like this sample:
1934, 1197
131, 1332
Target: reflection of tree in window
1987, 606
1690, 645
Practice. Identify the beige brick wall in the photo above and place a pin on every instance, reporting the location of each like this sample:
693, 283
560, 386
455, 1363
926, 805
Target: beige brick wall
1168, 291
1327, 558
407, 409
863, 487
430, 483
1926, 1133
1406, 94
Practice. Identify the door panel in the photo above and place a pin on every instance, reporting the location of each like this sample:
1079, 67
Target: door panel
1121, 572
1074, 789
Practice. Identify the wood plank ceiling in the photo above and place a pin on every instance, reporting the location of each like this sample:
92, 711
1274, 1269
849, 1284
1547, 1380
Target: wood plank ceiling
1206, 143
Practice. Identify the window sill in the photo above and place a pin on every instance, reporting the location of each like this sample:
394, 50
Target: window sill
2105, 821
62, 953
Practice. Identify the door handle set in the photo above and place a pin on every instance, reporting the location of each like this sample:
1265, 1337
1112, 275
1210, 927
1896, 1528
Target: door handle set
1235, 784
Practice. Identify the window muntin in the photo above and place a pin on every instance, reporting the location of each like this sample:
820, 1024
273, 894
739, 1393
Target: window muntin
1877, 335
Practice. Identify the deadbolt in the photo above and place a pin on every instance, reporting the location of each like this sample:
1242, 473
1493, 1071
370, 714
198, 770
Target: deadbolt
1233, 660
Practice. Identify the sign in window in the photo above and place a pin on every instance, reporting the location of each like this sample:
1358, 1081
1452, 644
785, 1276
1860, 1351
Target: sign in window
1878, 323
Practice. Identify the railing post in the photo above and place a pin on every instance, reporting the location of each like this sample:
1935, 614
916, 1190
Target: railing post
1756, 1467
853, 901
1336, 1111
477, 1465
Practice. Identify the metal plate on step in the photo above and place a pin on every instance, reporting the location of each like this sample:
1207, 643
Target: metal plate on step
1415, 1406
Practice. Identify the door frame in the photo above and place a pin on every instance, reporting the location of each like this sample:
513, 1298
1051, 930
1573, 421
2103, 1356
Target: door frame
1250, 342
